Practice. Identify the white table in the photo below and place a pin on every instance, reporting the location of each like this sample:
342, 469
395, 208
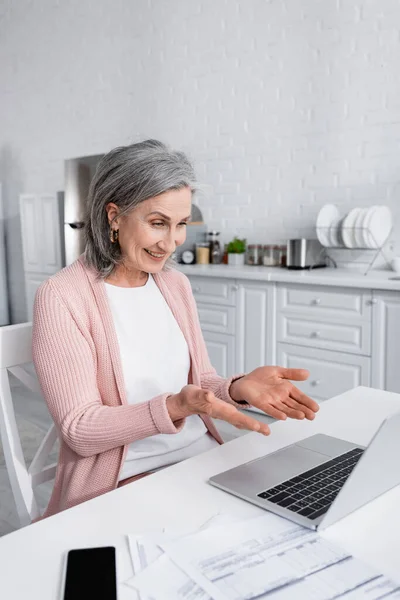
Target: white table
31, 559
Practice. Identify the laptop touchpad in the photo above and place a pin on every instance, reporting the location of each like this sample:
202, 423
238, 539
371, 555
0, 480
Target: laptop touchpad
268, 471
289, 462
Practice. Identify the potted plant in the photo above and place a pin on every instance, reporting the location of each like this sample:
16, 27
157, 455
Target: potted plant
236, 250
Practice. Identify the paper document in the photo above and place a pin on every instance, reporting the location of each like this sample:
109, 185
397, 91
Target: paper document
163, 580
271, 557
144, 550
158, 579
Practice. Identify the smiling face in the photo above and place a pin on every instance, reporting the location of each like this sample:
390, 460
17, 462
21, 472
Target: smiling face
150, 233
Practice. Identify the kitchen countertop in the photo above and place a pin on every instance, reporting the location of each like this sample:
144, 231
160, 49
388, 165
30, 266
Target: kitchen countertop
375, 279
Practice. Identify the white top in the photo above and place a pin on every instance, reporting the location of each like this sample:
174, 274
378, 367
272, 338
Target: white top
180, 499
155, 360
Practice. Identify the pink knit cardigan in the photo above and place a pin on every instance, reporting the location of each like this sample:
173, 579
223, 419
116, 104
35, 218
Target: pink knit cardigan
76, 355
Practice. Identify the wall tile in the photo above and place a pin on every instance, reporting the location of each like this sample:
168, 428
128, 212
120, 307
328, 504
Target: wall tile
272, 100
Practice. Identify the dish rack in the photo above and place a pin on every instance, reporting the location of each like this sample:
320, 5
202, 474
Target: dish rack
366, 232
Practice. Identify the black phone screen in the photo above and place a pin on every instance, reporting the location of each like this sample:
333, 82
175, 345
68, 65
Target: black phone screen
91, 574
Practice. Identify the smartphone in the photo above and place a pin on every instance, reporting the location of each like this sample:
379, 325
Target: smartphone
91, 573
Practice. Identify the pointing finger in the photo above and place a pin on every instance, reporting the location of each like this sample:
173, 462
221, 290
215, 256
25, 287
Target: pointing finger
227, 412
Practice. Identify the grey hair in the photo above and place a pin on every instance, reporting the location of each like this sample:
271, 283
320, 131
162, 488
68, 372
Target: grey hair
127, 176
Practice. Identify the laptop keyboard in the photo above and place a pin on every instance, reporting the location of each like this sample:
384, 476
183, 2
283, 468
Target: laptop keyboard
311, 493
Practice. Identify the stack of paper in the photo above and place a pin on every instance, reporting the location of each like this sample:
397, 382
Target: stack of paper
264, 557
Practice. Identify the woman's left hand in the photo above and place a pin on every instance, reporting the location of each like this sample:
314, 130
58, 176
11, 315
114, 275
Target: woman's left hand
269, 389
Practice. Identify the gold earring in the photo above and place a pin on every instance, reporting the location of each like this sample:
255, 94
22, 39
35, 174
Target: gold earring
114, 235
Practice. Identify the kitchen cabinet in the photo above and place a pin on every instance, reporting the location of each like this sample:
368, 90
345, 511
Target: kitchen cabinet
318, 333
331, 373
217, 318
237, 323
216, 305
323, 317
386, 341
214, 291
328, 332
41, 229
327, 302
255, 325
221, 350
325, 329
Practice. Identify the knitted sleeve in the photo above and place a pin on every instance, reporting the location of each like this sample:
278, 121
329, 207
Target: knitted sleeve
65, 362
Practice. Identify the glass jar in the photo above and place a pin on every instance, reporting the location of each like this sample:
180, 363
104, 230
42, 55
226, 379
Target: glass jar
283, 255
254, 254
203, 253
271, 256
215, 248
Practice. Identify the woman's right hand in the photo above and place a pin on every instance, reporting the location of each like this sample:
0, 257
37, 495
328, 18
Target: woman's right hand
193, 400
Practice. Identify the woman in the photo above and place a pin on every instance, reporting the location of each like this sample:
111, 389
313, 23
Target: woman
117, 343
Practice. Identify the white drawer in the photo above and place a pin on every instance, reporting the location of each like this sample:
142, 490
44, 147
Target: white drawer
211, 290
331, 373
321, 301
221, 351
349, 336
218, 318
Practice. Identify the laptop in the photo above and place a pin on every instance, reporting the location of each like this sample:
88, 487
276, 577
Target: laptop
320, 479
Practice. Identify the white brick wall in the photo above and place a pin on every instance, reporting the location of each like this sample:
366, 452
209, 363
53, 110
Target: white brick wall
283, 104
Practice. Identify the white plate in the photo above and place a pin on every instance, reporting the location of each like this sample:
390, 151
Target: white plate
365, 221
378, 225
359, 237
348, 228
334, 233
326, 216
323, 236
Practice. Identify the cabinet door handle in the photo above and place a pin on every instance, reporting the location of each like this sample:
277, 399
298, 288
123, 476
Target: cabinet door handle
315, 382
234, 288
316, 301
316, 334
373, 301
196, 289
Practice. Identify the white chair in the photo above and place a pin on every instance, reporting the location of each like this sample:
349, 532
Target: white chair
15, 353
